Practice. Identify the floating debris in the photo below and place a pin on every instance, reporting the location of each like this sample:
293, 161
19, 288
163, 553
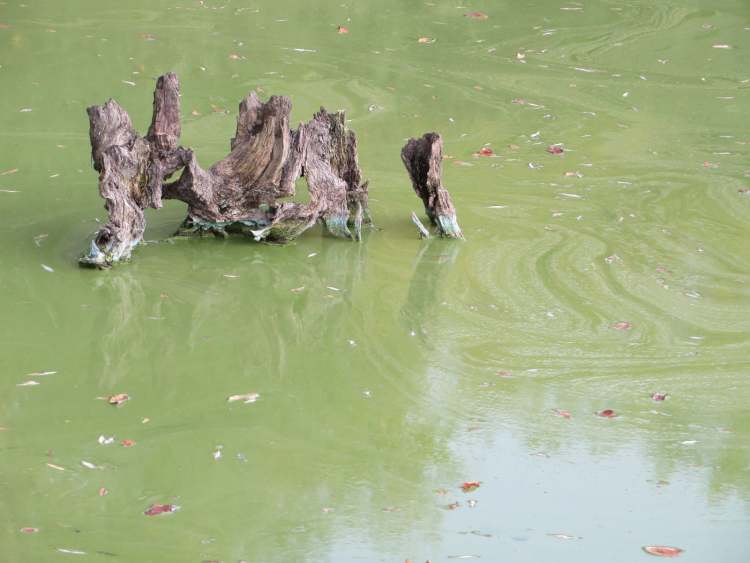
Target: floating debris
245, 398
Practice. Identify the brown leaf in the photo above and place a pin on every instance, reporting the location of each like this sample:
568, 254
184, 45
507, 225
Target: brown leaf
9, 171
476, 15
662, 550
118, 399
155, 509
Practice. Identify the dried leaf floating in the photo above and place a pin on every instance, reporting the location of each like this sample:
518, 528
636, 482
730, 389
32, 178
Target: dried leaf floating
103, 492
469, 486
29, 530
622, 325
156, 509
607, 413
341, 29
485, 151
659, 396
555, 149
476, 15
118, 399
245, 398
127, 443
662, 550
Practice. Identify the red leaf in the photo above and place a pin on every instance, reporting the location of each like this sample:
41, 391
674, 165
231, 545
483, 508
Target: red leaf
659, 396
622, 325
127, 443
562, 413
607, 413
29, 530
103, 492
555, 149
469, 486
477, 15
662, 550
155, 509
342, 29
485, 151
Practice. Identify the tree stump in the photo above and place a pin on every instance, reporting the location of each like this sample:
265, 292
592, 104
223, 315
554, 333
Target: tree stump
423, 159
238, 194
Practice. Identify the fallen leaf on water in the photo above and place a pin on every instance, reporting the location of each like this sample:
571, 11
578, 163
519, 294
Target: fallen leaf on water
25, 110
297, 289
576, 174
88, 464
469, 486
53, 466
555, 149
103, 492
4, 26
659, 396
505, 373
195, 113
425, 40
441, 491
28, 383
235, 56
513, 147
607, 413
127, 443
476, 15
128, 82
148, 36
453, 505
246, 398
9, 171
105, 441
155, 509
485, 151
118, 399
47, 268
562, 413
520, 56
29, 530
342, 29
662, 550
622, 325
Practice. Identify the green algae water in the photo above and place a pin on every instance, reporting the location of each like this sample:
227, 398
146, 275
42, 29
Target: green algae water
398, 369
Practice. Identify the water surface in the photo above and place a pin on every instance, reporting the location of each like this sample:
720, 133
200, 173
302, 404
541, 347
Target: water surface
404, 367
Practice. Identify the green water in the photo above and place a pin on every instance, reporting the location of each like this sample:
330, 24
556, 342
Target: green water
384, 381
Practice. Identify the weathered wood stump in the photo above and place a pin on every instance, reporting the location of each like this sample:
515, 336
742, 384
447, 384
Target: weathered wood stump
238, 194
423, 159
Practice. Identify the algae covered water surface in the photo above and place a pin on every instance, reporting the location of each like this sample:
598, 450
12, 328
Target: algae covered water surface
397, 370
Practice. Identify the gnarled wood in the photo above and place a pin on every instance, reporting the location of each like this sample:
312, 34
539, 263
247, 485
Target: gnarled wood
240, 192
423, 159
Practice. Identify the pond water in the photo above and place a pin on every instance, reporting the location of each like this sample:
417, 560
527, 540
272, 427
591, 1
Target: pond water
589, 280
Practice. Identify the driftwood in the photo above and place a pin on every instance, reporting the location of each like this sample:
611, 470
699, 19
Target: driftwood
423, 159
238, 194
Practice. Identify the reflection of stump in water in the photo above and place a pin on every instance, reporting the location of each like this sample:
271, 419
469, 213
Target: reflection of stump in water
122, 337
238, 193
424, 298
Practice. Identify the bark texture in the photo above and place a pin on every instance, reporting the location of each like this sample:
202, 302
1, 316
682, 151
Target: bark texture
238, 194
423, 159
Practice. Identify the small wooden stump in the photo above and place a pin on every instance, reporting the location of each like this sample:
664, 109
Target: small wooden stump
423, 159
238, 194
